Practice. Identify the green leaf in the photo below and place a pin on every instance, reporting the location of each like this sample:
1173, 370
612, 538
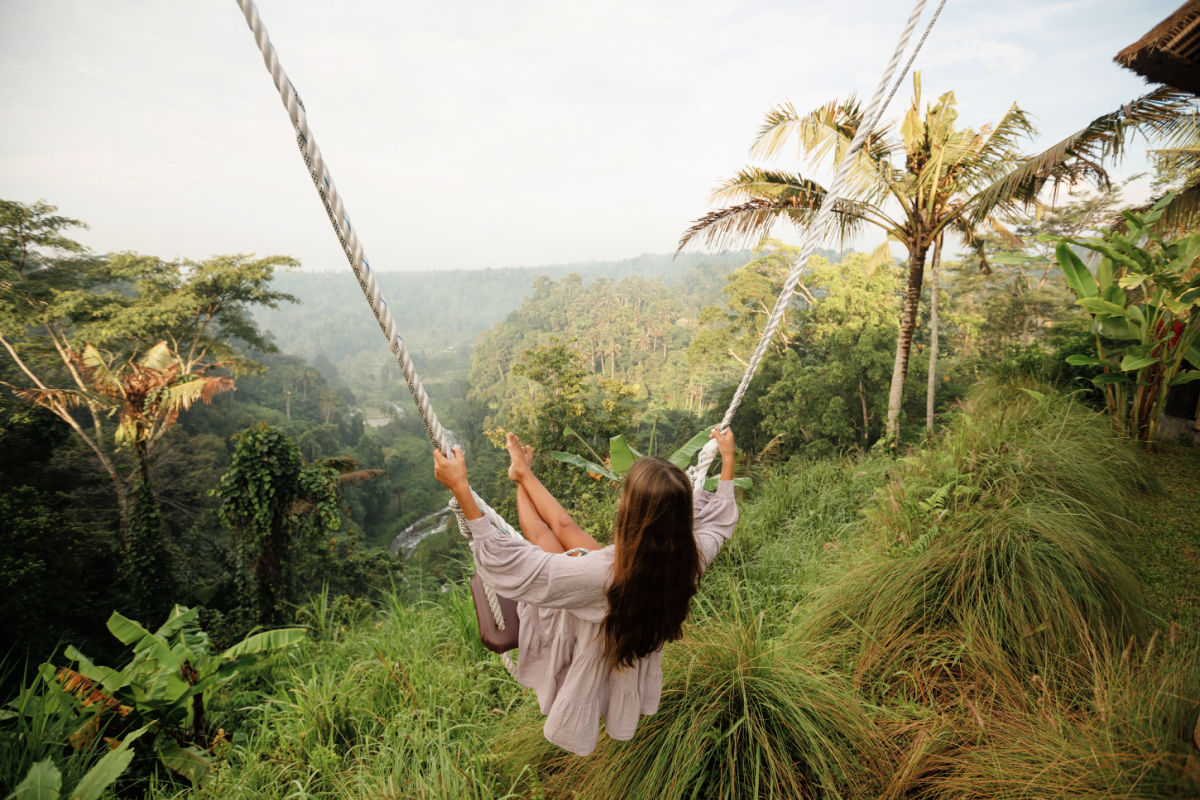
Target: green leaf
1131, 362
1078, 277
1114, 295
1131, 280
190, 762
1117, 328
584, 464
1041, 398
1098, 306
1185, 376
683, 456
1104, 275
265, 642
1111, 377
710, 483
620, 456
107, 770
42, 782
125, 629
1079, 360
179, 617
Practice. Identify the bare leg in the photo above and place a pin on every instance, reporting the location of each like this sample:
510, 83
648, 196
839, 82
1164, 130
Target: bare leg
561, 524
533, 526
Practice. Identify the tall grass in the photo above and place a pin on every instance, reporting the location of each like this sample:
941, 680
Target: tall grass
1002, 541
1129, 735
399, 706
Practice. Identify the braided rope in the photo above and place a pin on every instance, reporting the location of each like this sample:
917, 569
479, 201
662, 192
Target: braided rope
812, 235
439, 436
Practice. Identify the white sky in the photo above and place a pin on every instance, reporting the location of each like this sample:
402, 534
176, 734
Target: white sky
482, 134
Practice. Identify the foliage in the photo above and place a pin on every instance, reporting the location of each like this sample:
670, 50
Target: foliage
161, 691
1144, 302
275, 507
405, 702
940, 177
44, 779
1004, 541
60, 310
831, 391
621, 457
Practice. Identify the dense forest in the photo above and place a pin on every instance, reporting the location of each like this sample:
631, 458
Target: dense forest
212, 480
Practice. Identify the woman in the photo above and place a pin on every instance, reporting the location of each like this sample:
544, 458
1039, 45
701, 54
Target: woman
592, 628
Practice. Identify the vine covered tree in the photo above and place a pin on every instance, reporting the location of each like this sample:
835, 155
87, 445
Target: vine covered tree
277, 509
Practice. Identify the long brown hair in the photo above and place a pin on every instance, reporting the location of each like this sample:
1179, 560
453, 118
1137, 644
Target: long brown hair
657, 565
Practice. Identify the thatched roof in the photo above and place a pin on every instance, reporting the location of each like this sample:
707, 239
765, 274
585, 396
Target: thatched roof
1170, 52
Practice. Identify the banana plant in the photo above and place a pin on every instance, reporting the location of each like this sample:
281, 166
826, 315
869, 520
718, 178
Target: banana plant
162, 688
1144, 301
621, 456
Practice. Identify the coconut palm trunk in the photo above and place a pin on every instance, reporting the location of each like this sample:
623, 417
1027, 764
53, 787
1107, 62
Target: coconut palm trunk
931, 389
908, 324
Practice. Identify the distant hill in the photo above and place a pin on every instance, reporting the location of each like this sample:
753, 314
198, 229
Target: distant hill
436, 310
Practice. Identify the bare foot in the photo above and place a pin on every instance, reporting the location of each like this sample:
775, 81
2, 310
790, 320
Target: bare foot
519, 456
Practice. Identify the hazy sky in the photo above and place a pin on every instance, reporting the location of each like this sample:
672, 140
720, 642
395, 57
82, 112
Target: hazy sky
482, 134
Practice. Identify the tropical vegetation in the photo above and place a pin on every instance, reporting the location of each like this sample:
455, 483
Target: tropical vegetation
227, 571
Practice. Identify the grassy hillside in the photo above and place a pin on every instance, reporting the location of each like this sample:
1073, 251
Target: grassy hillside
1001, 614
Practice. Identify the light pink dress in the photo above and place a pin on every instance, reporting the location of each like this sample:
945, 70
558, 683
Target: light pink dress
561, 603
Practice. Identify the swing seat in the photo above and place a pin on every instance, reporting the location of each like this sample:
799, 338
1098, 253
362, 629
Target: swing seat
493, 638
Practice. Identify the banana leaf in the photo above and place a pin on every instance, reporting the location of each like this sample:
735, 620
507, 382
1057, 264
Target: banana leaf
683, 456
1078, 277
584, 464
620, 455
265, 642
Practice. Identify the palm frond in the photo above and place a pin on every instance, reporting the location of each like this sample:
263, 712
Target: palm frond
158, 357
987, 156
184, 394
1183, 214
359, 476
340, 463
53, 399
1079, 156
827, 132
773, 195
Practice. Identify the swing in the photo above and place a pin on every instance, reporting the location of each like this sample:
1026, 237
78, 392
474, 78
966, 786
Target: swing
497, 615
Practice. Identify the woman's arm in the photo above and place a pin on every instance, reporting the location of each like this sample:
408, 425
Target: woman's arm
716, 513
517, 569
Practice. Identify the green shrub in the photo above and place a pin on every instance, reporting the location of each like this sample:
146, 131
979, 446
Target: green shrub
1008, 530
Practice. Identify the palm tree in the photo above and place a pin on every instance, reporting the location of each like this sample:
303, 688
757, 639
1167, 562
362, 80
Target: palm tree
933, 179
146, 396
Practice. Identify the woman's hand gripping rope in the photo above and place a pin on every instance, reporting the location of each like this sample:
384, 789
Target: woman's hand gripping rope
725, 447
451, 472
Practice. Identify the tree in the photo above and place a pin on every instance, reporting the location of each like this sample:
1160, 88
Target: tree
829, 392
277, 508
947, 180
67, 317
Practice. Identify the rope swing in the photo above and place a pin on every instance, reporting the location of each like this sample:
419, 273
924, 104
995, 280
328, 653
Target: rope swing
441, 438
